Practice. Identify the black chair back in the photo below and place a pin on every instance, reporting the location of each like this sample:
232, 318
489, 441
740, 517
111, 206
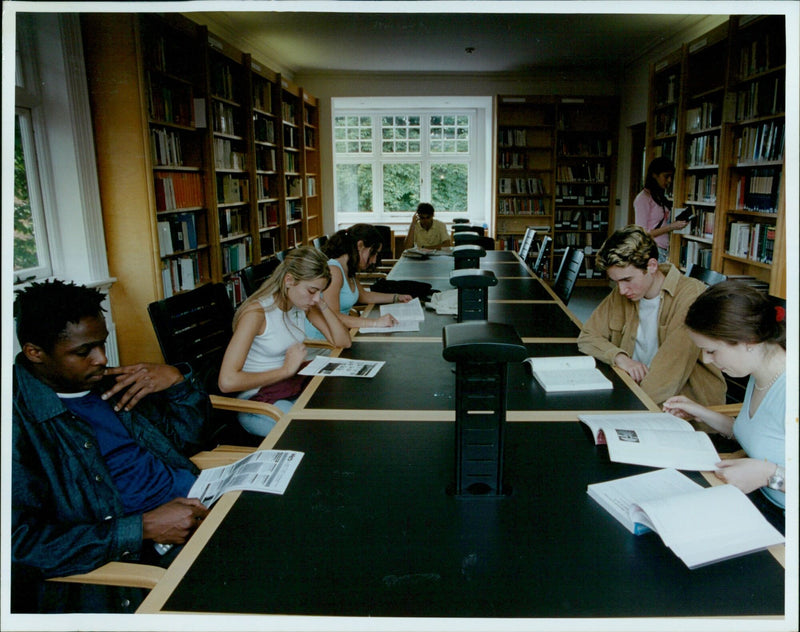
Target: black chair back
280, 256
253, 276
707, 276
568, 273
544, 253
319, 242
466, 237
526, 243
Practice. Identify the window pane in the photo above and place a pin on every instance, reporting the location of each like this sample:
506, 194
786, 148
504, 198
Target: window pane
449, 187
444, 130
25, 237
354, 188
355, 129
394, 132
401, 186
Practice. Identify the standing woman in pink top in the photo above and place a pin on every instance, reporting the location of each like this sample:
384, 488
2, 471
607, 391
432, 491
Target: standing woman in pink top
652, 207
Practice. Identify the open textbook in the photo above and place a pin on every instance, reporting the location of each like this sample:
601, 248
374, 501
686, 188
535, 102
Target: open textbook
408, 315
568, 373
701, 525
261, 471
342, 367
654, 439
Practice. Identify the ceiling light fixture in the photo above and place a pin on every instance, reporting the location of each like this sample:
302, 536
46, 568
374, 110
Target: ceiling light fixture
469, 50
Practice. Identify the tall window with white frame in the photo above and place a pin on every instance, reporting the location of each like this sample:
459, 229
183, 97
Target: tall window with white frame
387, 161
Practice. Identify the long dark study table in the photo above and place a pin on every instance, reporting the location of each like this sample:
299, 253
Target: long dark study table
369, 526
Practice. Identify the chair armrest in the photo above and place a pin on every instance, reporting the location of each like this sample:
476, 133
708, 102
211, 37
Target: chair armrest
727, 409
245, 406
117, 574
221, 455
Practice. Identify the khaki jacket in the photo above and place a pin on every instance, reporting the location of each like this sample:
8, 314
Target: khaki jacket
677, 367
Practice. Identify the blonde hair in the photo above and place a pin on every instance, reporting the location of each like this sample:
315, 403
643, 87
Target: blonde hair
631, 245
302, 264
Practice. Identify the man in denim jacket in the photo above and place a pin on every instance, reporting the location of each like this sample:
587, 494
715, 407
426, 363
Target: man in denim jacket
100, 471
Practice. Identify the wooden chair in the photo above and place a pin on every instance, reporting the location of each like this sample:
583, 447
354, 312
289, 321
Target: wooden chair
568, 273
526, 243
541, 258
707, 276
254, 275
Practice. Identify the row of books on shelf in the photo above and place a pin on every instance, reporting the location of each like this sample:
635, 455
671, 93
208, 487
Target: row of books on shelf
666, 122
180, 274
701, 188
594, 172
232, 189
290, 138
222, 81
758, 190
262, 95
664, 147
584, 146
265, 187
294, 210
224, 119
177, 233
754, 241
701, 224
233, 221
267, 214
236, 256
265, 159
289, 111
264, 129
760, 55
523, 206
170, 103
764, 97
703, 150
580, 194
512, 137
165, 147
178, 190
309, 137
522, 186
235, 289
588, 242
294, 186
160, 53
580, 220
761, 142
269, 244
290, 161
694, 252
707, 114
311, 186
226, 157
512, 160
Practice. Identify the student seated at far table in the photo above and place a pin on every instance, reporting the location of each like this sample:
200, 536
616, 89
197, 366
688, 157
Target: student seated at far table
639, 327
425, 231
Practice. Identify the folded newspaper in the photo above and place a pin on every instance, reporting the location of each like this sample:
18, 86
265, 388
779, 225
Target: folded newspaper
342, 367
262, 471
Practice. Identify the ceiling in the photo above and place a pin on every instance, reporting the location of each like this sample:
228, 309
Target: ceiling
370, 41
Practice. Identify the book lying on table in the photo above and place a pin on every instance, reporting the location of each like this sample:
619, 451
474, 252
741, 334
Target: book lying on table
654, 439
568, 373
701, 525
260, 471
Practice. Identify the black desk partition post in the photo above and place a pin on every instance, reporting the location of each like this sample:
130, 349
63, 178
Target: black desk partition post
468, 256
473, 293
481, 351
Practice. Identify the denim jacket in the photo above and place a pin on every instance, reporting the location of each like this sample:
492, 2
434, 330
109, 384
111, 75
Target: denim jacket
67, 516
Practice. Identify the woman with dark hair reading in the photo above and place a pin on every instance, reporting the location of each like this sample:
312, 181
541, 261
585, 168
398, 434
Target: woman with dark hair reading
351, 251
739, 330
653, 208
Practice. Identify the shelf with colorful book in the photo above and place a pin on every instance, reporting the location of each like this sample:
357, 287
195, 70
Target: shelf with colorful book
754, 205
586, 134
291, 183
266, 189
524, 168
312, 198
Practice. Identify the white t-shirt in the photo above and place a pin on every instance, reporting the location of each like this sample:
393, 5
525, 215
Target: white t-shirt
646, 345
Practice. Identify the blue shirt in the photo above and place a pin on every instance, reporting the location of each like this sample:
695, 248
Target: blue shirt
143, 481
347, 298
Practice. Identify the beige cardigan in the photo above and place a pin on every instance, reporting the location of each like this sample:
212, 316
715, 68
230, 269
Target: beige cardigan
677, 367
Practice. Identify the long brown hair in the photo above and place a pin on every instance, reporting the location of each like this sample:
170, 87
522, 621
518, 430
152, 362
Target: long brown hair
302, 264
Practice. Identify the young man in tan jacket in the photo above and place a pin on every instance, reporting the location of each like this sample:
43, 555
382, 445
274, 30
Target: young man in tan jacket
640, 328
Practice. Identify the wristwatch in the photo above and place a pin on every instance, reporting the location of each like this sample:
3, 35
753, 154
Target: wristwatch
776, 481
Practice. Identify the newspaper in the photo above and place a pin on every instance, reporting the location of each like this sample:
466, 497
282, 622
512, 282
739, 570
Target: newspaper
342, 367
262, 471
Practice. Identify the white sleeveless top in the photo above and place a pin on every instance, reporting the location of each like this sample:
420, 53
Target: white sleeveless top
282, 330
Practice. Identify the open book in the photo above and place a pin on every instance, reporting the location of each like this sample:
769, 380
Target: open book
568, 373
260, 471
654, 439
701, 525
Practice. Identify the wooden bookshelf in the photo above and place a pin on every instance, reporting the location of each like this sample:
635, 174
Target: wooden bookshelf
201, 149
554, 171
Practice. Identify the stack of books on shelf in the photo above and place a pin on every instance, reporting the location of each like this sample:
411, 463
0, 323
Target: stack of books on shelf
703, 151
523, 206
180, 274
512, 137
701, 188
696, 253
265, 159
166, 147
237, 255
762, 142
170, 103
758, 190
585, 172
289, 111
264, 129
223, 118
267, 215
262, 96
225, 157
764, 97
294, 210
232, 221
511, 160
178, 190
232, 189
703, 116
752, 241
177, 233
